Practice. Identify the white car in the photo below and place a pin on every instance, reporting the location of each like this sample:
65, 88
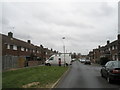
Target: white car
82, 60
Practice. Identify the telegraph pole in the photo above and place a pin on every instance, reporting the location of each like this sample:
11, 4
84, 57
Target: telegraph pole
118, 47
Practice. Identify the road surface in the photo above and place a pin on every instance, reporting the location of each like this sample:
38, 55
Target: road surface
85, 76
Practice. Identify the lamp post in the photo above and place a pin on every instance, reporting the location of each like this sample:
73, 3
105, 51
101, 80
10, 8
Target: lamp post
118, 47
64, 50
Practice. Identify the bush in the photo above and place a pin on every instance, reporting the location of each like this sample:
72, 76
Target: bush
104, 60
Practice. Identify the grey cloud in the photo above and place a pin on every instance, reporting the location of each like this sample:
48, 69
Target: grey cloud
54, 15
85, 27
23, 36
74, 24
5, 21
104, 10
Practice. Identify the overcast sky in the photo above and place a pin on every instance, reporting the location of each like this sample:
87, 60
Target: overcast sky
85, 25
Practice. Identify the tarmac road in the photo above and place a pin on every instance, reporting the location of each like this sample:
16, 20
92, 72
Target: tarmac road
85, 76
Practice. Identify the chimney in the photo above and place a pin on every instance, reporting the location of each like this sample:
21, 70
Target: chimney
99, 46
51, 49
29, 41
108, 42
10, 34
118, 36
41, 46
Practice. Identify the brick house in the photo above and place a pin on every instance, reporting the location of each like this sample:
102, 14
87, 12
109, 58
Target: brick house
110, 50
17, 53
49, 53
91, 56
96, 55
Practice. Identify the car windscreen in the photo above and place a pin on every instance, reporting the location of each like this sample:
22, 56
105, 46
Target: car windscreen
51, 58
116, 64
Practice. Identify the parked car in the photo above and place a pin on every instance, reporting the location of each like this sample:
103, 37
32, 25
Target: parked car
87, 62
111, 71
82, 60
73, 60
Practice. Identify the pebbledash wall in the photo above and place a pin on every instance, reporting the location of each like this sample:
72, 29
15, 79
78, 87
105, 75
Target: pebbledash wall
18, 54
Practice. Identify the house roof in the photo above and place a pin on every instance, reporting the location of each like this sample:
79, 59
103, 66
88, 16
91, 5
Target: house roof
102, 48
13, 41
111, 44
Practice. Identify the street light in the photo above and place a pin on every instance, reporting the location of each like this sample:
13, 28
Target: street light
64, 49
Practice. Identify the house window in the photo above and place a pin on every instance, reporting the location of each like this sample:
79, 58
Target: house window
112, 47
14, 47
11, 47
22, 49
8, 46
37, 51
33, 50
26, 50
113, 58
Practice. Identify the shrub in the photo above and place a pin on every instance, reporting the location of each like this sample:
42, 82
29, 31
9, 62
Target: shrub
104, 60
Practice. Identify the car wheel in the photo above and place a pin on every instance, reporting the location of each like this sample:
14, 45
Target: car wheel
101, 73
109, 80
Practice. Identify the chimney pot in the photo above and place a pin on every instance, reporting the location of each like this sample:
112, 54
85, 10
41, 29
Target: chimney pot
29, 41
10, 34
41, 46
108, 42
118, 36
99, 46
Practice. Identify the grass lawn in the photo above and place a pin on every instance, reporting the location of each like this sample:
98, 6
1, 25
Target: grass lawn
44, 75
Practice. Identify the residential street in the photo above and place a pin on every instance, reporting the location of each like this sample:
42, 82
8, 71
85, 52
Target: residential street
85, 76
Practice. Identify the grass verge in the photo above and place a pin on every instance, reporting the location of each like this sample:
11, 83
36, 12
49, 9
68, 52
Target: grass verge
44, 76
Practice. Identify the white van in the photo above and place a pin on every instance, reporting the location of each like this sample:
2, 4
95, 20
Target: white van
54, 59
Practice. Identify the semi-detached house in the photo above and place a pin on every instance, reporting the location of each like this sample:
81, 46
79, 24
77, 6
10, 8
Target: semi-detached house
110, 50
17, 53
